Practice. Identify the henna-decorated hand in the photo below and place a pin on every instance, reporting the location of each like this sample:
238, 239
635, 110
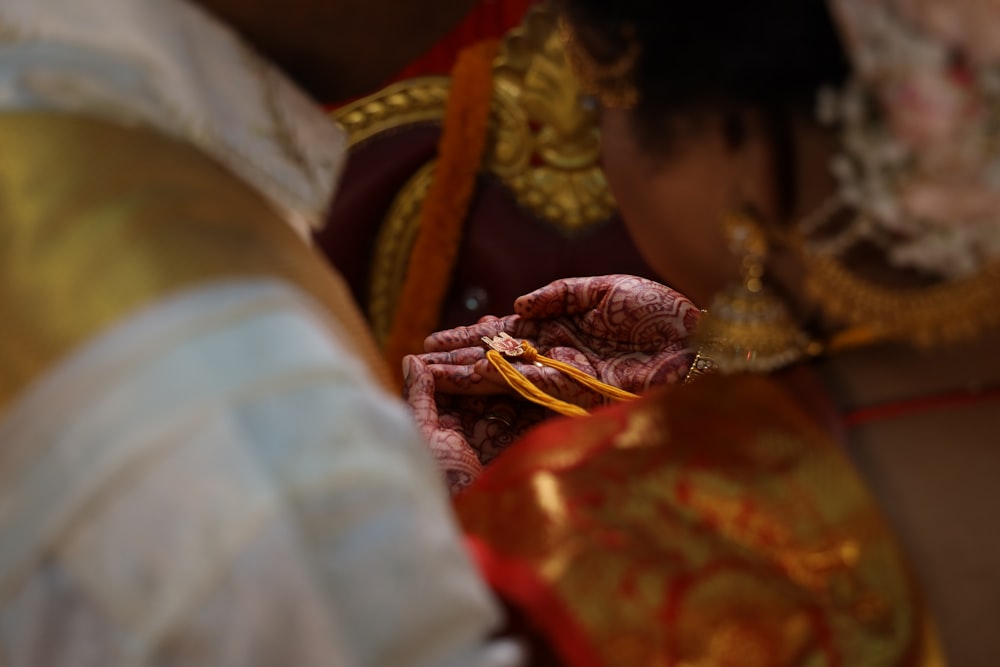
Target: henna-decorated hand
465, 432
626, 331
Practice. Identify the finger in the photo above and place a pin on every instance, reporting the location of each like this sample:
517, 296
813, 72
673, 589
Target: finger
482, 379
472, 335
559, 332
475, 379
495, 430
628, 314
639, 373
640, 312
417, 379
458, 357
491, 424
549, 380
455, 458
418, 392
568, 296
670, 367
517, 326
574, 357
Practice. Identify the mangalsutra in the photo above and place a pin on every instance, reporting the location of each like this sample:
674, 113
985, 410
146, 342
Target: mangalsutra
944, 313
504, 345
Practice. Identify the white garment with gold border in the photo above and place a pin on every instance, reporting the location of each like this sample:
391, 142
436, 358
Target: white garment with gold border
216, 479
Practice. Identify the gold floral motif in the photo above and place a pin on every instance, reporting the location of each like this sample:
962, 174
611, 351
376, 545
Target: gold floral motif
546, 148
743, 531
545, 144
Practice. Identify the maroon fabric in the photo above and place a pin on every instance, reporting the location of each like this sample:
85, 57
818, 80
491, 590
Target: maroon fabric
375, 173
505, 251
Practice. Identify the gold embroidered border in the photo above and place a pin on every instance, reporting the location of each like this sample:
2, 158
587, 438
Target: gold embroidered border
418, 100
83, 243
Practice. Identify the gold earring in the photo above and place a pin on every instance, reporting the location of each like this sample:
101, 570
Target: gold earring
748, 327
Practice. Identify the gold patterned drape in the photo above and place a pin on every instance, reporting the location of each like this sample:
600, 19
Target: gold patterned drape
712, 524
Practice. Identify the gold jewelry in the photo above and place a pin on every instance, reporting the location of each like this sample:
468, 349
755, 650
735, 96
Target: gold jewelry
702, 365
611, 83
747, 327
498, 418
949, 312
504, 345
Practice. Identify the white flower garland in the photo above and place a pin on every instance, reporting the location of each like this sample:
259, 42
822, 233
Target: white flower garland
919, 125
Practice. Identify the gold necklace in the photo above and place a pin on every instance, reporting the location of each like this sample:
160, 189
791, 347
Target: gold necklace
940, 314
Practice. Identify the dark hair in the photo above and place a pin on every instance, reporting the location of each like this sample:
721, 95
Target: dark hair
727, 56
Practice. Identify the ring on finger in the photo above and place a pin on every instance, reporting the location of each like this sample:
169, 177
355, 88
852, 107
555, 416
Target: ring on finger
497, 417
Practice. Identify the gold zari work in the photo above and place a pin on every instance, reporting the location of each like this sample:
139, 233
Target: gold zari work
712, 524
409, 102
545, 144
547, 147
84, 244
941, 314
543, 147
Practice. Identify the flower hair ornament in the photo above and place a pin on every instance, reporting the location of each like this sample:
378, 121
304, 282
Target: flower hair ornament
918, 169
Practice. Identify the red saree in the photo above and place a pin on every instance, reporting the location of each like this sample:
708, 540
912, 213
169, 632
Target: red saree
708, 524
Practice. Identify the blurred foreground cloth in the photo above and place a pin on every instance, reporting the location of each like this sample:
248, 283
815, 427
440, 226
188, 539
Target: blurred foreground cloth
200, 463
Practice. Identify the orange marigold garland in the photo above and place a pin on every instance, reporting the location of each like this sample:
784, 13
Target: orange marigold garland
460, 153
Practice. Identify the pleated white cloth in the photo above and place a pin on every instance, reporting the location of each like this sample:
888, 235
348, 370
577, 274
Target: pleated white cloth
216, 480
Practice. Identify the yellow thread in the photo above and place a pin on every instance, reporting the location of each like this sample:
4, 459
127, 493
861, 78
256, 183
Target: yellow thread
530, 355
525, 388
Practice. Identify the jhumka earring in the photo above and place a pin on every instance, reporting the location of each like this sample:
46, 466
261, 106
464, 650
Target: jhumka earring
748, 327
